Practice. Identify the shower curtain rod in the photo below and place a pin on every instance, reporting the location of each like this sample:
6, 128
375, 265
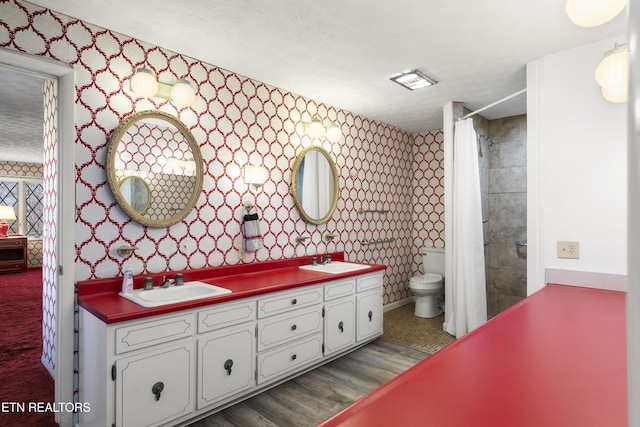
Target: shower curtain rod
486, 107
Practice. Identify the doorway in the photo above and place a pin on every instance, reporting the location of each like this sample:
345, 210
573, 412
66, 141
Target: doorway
58, 264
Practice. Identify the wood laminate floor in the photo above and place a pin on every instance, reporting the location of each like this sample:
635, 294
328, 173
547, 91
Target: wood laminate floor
315, 396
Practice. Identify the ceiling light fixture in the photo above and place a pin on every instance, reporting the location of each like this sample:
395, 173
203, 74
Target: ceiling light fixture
591, 13
144, 84
413, 79
612, 74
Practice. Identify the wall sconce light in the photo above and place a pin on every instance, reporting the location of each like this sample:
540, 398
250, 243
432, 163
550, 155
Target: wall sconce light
591, 13
144, 84
6, 212
612, 74
315, 129
255, 175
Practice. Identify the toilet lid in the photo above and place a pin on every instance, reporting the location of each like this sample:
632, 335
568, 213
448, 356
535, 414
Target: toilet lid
427, 279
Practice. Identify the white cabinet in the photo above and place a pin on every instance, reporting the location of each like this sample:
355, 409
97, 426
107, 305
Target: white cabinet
153, 388
284, 360
369, 307
166, 369
225, 363
339, 325
286, 327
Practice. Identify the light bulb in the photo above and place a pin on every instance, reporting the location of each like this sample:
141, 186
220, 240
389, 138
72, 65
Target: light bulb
315, 129
591, 13
182, 94
612, 74
143, 83
334, 134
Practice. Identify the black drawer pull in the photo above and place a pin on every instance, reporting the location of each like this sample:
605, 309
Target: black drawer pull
341, 326
228, 365
294, 301
157, 389
294, 357
370, 315
294, 327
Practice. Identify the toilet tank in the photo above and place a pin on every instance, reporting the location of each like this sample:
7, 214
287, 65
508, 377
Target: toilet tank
433, 260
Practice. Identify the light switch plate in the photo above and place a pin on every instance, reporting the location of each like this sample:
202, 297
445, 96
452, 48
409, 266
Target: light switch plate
570, 250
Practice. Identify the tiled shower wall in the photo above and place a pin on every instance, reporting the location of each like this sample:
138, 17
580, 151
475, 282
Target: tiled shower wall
507, 218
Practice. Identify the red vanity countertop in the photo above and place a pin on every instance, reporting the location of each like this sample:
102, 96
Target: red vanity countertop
100, 297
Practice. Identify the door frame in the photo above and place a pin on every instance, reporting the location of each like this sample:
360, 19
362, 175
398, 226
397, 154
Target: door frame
63, 74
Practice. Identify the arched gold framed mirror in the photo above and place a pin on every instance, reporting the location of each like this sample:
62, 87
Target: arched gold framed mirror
155, 152
314, 184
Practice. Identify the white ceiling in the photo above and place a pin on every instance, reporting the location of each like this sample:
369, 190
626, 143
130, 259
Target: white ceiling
342, 52
21, 117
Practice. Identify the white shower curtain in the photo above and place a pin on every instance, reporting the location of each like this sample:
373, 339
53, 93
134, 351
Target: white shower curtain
466, 301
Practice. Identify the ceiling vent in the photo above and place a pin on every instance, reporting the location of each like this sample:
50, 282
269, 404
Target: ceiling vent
412, 80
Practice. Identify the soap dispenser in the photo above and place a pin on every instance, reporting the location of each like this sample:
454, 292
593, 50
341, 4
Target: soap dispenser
127, 281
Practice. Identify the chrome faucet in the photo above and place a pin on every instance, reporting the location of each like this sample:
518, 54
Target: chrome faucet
166, 282
326, 260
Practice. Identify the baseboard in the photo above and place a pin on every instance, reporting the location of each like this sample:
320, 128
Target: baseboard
586, 279
397, 304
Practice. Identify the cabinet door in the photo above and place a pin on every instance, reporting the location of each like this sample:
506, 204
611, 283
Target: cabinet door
156, 387
369, 314
225, 364
339, 325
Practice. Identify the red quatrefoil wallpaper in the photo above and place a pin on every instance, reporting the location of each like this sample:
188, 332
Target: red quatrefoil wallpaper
236, 121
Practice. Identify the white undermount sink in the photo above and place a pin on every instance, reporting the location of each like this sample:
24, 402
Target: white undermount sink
335, 267
171, 295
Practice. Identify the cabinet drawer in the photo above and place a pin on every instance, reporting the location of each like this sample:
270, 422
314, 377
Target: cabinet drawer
284, 301
286, 327
145, 334
339, 289
224, 315
288, 359
369, 281
11, 242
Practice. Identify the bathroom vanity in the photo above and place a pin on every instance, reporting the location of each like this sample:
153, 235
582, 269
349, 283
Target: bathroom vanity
174, 363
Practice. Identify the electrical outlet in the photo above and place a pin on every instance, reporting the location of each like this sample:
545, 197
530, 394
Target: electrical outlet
569, 250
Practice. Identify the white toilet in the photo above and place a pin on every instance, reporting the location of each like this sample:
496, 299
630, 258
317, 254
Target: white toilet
427, 287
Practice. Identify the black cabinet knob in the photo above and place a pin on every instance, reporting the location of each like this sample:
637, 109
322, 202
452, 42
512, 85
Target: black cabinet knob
341, 326
228, 365
294, 327
294, 357
294, 301
157, 389
370, 314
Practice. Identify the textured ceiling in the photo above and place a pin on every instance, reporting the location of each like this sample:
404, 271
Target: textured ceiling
343, 52
21, 117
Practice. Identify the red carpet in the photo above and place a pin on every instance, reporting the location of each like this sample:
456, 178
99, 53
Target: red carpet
23, 379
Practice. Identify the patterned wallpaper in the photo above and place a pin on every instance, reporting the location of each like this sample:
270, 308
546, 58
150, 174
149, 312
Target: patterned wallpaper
50, 226
236, 121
